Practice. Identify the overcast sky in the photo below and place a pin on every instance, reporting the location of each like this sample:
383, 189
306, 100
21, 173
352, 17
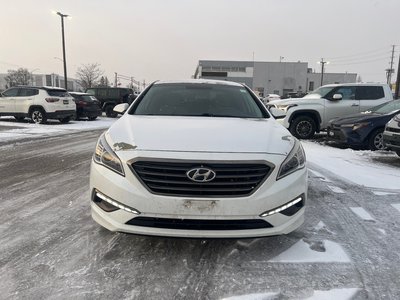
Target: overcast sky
164, 39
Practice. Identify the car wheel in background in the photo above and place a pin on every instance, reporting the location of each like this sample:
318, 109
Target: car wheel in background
303, 127
65, 120
110, 112
375, 141
38, 116
92, 118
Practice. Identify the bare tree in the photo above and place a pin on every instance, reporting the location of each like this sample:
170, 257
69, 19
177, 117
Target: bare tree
88, 75
18, 77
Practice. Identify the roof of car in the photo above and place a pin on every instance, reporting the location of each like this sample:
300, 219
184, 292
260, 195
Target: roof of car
355, 83
39, 87
79, 93
200, 81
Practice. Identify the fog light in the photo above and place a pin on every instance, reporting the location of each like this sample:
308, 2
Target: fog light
283, 207
112, 205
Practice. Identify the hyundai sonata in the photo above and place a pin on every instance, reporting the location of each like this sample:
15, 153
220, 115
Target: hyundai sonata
198, 158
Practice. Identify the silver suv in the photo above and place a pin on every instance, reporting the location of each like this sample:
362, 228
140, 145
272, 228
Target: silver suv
37, 103
310, 114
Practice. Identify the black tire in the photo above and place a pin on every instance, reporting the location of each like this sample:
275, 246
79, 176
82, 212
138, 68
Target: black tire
303, 127
19, 119
65, 120
92, 118
398, 153
110, 112
38, 116
375, 141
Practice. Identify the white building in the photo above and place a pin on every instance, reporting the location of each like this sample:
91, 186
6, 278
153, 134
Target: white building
270, 77
45, 80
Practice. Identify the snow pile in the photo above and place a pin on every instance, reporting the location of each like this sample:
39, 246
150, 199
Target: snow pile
371, 169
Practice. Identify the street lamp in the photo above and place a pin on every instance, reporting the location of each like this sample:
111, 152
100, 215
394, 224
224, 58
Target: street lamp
62, 16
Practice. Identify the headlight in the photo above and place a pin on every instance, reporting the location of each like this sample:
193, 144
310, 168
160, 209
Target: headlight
356, 126
397, 118
106, 157
294, 161
286, 107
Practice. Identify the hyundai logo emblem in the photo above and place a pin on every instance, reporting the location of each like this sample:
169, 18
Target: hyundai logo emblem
201, 174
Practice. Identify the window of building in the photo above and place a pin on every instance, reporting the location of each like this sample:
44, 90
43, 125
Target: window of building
311, 86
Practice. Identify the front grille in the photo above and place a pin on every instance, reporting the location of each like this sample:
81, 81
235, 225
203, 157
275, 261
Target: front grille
192, 224
391, 129
232, 179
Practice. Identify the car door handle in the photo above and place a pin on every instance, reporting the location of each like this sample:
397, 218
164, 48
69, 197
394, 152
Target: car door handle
355, 104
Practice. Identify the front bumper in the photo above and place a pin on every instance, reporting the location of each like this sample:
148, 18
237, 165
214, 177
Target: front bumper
61, 114
129, 191
347, 136
391, 140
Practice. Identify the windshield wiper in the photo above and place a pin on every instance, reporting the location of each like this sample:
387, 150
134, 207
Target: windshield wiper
219, 116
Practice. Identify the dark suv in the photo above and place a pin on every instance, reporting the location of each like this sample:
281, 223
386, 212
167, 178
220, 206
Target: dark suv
109, 97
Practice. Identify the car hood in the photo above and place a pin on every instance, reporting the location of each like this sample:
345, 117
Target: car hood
200, 134
357, 118
289, 101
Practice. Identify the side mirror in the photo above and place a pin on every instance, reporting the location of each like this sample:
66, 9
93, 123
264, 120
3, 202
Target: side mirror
337, 97
121, 108
277, 113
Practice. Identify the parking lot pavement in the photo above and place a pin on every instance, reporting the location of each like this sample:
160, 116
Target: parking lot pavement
12, 131
51, 248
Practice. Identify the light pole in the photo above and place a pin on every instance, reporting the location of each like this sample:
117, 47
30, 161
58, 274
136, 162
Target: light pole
32, 74
62, 16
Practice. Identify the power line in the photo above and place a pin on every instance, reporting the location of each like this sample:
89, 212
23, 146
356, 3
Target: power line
361, 62
363, 57
360, 53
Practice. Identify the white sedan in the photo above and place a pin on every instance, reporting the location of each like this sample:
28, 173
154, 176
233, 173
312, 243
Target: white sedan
198, 158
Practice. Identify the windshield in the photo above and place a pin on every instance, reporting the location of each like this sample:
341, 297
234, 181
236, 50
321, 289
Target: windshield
322, 91
385, 108
192, 99
57, 93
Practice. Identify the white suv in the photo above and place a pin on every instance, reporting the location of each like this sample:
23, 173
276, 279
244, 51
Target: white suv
37, 103
310, 114
198, 158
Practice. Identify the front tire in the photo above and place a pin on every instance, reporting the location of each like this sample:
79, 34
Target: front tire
38, 116
375, 141
110, 112
303, 127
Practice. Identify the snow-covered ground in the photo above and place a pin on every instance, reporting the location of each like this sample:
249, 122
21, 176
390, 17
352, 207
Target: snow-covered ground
11, 130
373, 169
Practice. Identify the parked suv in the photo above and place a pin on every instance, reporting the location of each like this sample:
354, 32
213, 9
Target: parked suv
310, 114
86, 106
109, 97
37, 103
391, 135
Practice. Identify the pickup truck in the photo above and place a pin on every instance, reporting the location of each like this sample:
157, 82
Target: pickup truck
310, 114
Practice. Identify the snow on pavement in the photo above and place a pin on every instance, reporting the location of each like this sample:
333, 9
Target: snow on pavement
302, 252
21, 130
362, 213
334, 294
366, 168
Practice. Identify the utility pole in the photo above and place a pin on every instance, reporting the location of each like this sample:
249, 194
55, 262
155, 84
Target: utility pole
390, 70
116, 79
280, 58
322, 62
62, 16
396, 92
